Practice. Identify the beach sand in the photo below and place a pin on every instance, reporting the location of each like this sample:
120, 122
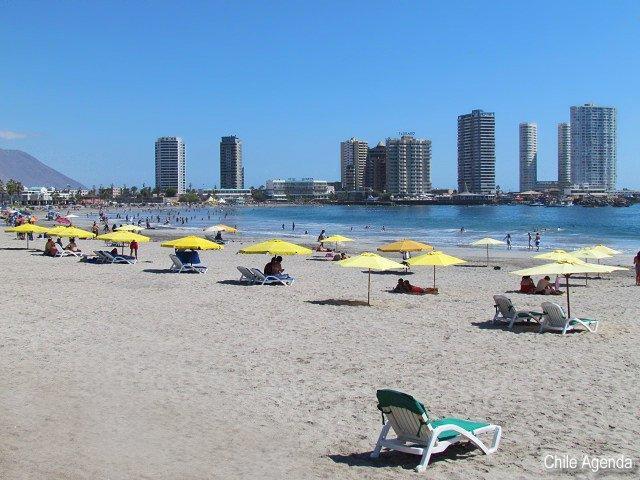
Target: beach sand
126, 371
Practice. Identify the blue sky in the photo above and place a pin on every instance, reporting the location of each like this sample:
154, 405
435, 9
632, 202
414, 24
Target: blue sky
89, 86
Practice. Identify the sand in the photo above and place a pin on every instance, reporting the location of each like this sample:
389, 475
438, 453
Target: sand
126, 371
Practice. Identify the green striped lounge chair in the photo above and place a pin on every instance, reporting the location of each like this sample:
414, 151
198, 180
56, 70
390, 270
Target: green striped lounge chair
506, 312
418, 434
555, 319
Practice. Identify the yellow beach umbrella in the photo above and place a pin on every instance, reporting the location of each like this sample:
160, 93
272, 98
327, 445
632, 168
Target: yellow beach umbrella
192, 243
605, 249
405, 245
276, 247
129, 228
221, 228
337, 239
27, 228
487, 241
370, 261
69, 232
557, 255
566, 268
435, 259
590, 252
123, 237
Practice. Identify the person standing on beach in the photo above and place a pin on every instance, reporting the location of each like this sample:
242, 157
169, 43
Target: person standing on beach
636, 261
530, 246
293, 226
508, 239
133, 247
321, 238
283, 226
537, 241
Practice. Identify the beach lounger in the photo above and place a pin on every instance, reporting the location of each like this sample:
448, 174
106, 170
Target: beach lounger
107, 257
247, 275
506, 312
418, 434
180, 267
271, 279
555, 319
61, 252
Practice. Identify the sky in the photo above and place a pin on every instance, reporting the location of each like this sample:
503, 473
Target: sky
87, 87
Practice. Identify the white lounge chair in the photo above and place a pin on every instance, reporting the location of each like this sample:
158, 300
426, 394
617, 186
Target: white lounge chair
61, 252
107, 257
418, 434
263, 279
506, 312
555, 319
247, 275
180, 267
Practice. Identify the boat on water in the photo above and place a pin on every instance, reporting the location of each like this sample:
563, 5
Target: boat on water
556, 204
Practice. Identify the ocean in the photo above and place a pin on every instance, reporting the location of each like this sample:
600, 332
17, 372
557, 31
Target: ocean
439, 225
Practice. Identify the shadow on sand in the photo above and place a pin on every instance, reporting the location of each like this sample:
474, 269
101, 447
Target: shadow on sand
389, 272
406, 461
339, 302
518, 327
159, 270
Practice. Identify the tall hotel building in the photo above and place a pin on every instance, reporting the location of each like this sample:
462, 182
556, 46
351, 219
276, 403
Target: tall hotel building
231, 169
477, 152
408, 166
375, 176
528, 156
170, 164
593, 146
564, 155
353, 161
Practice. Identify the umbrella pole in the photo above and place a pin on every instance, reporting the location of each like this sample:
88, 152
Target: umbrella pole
434, 276
369, 290
568, 302
487, 254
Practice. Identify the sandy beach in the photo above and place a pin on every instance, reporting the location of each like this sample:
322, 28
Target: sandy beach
127, 371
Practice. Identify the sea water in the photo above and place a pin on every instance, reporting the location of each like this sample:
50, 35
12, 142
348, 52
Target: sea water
440, 225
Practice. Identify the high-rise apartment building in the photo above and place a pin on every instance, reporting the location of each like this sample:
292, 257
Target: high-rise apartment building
408, 166
477, 152
375, 176
528, 156
170, 164
353, 161
564, 155
231, 169
593, 146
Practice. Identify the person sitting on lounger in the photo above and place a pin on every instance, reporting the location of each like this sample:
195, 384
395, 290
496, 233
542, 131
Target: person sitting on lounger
72, 247
268, 268
276, 266
527, 285
188, 256
545, 287
50, 249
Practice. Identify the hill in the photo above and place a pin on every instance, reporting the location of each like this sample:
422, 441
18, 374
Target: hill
32, 172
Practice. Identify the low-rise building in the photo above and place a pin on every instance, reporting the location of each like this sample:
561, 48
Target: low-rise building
298, 189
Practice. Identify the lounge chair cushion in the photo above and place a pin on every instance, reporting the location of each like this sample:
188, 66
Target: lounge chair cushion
393, 398
467, 425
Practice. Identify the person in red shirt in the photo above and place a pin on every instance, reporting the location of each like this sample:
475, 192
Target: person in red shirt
133, 246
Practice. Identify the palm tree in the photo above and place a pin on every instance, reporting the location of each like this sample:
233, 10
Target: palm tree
13, 187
